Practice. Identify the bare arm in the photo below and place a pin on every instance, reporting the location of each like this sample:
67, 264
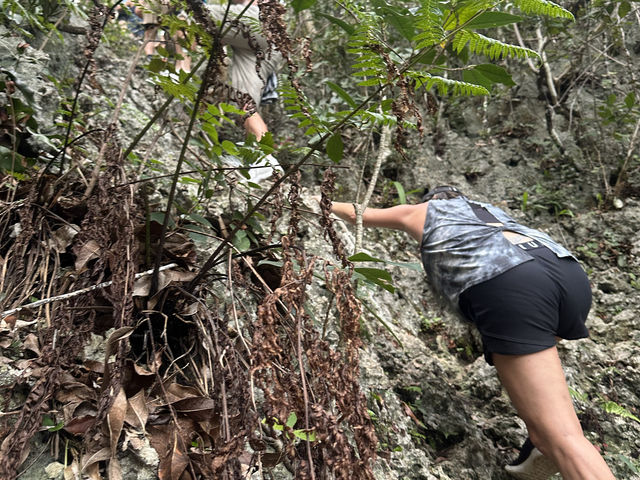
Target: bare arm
406, 218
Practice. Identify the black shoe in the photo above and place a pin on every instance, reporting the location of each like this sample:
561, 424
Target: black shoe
531, 464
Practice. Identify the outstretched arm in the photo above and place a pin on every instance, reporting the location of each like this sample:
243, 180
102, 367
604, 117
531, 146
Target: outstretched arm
406, 218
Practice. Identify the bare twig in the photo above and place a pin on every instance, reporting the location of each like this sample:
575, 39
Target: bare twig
383, 152
78, 292
516, 30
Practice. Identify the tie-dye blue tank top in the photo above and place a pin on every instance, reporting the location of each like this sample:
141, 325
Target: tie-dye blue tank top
459, 250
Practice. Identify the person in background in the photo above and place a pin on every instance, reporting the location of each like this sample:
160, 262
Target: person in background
244, 74
151, 21
129, 14
522, 291
151, 11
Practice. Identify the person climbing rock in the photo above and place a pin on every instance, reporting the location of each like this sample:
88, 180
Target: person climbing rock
247, 74
523, 292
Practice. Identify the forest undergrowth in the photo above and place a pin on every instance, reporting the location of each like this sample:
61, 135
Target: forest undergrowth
199, 281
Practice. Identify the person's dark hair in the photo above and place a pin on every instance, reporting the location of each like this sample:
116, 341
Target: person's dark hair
441, 192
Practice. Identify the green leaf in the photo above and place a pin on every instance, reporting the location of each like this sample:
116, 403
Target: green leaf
156, 65
230, 147
371, 82
630, 100
267, 141
350, 29
241, 241
335, 147
48, 421
158, 217
624, 8
376, 276
7, 161
577, 395
487, 75
613, 407
193, 233
363, 257
343, 94
403, 23
402, 197
489, 47
543, 7
292, 419
228, 108
299, 5
301, 434
493, 19
200, 219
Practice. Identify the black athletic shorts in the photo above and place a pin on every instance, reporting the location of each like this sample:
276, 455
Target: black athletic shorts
523, 309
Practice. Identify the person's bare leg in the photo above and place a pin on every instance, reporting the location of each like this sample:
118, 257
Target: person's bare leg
150, 43
538, 390
185, 63
255, 125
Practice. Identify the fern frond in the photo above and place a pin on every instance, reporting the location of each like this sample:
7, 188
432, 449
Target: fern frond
543, 7
490, 47
446, 85
613, 407
428, 22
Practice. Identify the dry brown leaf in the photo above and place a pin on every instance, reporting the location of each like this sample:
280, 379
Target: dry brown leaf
72, 472
94, 366
78, 409
160, 440
177, 392
137, 411
211, 426
88, 251
80, 425
75, 392
31, 343
63, 237
90, 462
93, 472
116, 336
180, 247
142, 286
197, 408
112, 345
270, 460
179, 459
115, 419
114, 470
10, 321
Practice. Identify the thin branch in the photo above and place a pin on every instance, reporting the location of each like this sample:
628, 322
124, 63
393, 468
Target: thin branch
76, 293
516, 30
384, 150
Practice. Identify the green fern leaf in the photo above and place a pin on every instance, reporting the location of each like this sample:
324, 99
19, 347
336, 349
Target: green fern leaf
490, 47
429, 25
446, 85
613, 407
543, 7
